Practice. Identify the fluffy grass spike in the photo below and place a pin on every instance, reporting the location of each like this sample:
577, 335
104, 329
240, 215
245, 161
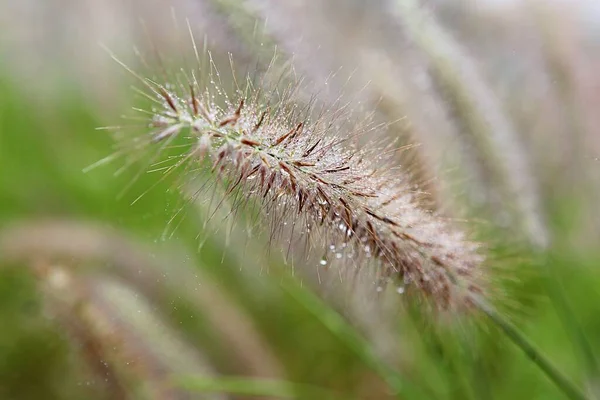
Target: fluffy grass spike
311, 169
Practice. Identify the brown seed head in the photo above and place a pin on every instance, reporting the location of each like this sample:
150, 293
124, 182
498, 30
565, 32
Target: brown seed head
309, 168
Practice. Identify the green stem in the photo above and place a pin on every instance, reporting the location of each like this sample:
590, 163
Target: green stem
534, 354
556, 292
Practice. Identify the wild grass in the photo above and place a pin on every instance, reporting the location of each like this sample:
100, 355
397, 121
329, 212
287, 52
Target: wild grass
263, 239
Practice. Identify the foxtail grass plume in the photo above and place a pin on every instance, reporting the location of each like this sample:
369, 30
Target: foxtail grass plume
306, 166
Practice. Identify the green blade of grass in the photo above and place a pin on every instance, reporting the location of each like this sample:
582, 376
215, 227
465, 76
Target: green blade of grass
253, 387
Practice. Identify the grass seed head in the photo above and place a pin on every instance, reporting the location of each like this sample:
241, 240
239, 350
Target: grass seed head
309, 168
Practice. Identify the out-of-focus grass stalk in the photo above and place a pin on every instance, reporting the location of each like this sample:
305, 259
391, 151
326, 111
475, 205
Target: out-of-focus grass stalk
124, 259
111, 342
65, 300
562, 69
565, 61
483, 123
92, 316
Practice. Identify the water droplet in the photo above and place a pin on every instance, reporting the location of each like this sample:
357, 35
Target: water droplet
400, 290
323, 262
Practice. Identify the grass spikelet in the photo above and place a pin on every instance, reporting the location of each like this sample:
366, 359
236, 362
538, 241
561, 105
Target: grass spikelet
305, 166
